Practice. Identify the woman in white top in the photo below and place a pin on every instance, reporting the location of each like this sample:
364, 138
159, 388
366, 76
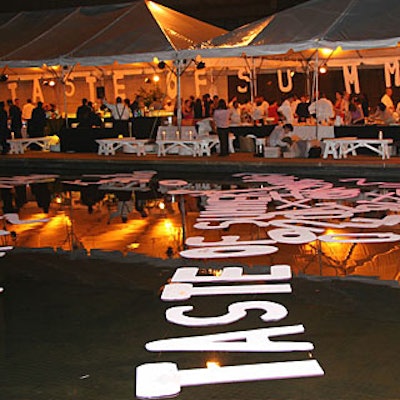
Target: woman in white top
235, 113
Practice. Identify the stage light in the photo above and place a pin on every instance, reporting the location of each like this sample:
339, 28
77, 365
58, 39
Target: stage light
161, 65
3, 78
52, 83
200, 65
156, 78
323, 70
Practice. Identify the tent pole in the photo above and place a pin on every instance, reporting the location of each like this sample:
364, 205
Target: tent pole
178, 95
254, 78
316, 93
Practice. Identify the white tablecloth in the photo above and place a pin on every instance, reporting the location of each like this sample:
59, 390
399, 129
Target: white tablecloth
310, 132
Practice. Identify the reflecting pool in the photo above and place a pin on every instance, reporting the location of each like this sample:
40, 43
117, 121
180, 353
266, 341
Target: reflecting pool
76, 315
319, 227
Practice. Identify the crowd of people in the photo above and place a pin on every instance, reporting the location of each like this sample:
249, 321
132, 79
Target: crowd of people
14, 117
345, 109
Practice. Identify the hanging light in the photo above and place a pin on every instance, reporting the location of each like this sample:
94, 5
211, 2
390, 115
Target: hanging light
156, 78
3, 78
200, 65
162, 64
323, 69
52, 83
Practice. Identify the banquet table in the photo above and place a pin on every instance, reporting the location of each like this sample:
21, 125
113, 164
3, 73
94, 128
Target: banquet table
312, 132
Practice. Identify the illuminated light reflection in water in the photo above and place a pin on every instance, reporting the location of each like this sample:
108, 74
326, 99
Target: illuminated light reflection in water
157, 221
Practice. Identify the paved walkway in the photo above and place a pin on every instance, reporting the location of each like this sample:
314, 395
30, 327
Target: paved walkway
78, 163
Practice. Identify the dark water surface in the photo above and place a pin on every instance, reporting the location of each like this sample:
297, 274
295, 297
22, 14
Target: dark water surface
81, 299
76, 329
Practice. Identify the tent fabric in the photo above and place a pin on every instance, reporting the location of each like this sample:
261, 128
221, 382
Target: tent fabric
350, 24
99, 35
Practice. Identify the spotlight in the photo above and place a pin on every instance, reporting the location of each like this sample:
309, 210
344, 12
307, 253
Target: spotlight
147, 80
156, 78
161, 65
52, 83
3, 78
323, 70
200, 65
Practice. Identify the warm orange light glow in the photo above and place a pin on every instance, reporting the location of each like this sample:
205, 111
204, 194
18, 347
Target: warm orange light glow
213, 364
326, 52
156, 78
323, 70
133, 246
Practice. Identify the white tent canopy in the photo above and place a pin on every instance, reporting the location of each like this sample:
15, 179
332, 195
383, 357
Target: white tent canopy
350, 24
99, 35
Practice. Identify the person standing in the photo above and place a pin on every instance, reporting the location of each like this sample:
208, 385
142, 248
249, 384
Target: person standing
387, 100
285, 109
38, 121
207, 105
15, 116
27, 109
4, 131
120, 113
83, 114
221, 118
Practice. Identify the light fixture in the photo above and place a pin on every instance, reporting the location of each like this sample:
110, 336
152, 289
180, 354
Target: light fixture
156, 78
323, 69
52, 83
147, 80
162, 64
200, 65
3, 78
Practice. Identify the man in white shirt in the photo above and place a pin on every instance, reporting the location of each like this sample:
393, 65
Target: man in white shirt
280, 137
386, 99
27, 109
323, 109
285, 109
120, 112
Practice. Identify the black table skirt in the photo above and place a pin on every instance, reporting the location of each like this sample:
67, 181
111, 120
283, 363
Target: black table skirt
369, 131
145, 127
258, 131
83, 140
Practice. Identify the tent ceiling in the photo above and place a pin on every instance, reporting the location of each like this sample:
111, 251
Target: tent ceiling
351, 24
102, 35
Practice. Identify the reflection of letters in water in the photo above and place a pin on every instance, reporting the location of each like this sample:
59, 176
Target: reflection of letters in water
302, 209
158, 380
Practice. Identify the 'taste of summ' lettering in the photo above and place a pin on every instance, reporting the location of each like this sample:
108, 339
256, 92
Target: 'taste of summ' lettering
164, 379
